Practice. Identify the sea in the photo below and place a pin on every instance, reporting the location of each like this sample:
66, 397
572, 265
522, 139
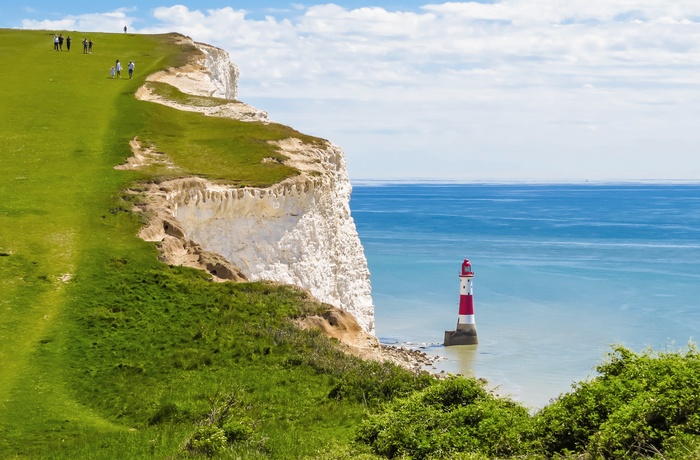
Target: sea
563, 272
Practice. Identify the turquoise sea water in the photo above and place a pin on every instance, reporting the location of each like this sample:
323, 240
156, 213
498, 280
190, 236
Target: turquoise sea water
561, 273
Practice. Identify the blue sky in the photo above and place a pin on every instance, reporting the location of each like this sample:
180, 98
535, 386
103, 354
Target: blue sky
14, 13
550, 90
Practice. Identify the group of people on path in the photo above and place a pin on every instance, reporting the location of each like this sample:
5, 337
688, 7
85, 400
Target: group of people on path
58, 42
117, 69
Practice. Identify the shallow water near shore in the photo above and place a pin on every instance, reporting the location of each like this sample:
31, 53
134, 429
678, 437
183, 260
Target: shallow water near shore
561, 273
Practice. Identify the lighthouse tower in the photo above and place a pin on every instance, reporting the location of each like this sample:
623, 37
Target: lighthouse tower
466, 326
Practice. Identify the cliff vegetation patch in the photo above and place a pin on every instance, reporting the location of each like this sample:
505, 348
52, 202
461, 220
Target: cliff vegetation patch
172, 93
216, 148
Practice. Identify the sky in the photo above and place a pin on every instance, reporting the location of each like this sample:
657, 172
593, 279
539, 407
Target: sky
498, 90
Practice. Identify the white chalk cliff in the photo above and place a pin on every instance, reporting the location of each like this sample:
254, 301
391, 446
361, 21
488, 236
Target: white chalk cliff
299, 231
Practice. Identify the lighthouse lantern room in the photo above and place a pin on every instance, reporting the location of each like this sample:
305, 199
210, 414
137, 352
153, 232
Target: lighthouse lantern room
465, 334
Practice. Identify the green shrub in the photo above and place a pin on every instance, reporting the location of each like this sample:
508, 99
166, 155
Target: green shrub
456, 415
682, 447
343, 452
637, 404
237, 430
208, 440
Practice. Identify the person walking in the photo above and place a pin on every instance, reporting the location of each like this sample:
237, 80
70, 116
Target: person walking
124, 29
68, 40
60, 42
55, 42
85, 45
118, 68
131, 69
111, 72
90, 46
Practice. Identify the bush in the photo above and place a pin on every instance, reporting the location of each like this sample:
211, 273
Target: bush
208, 440
456, 415
238, 430
635, 407
682, 447
343, 452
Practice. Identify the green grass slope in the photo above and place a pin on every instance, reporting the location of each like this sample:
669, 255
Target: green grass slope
104, 351
107, 353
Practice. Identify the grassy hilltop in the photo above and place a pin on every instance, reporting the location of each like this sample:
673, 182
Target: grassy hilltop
104, 351
107, 353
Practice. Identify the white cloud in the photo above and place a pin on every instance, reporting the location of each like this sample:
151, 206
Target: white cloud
112, 21
512, 88
375, 46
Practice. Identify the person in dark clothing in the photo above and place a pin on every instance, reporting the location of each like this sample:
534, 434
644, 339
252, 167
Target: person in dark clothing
68, 43
90, 46
60, 42
124, 29
85, 43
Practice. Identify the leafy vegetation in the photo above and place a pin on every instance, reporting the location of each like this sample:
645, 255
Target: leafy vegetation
457, 415
640, 404
107, 353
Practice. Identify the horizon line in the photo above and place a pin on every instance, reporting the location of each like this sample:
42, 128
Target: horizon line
418, 181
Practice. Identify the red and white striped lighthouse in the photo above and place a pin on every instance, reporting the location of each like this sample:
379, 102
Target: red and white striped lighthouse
466, 326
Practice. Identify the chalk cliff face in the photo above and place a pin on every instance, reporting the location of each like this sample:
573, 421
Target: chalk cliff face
223, 72
299, 231
211, 74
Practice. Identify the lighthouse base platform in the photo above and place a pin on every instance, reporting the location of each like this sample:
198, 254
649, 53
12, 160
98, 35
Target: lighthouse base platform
461, 337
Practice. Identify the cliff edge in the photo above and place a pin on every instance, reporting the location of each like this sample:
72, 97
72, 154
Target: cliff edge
299, 231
